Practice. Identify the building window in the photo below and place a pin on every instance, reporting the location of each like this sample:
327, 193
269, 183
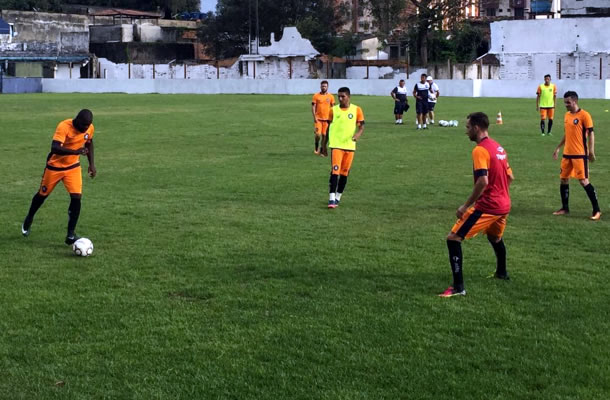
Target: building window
519, 13
490, 12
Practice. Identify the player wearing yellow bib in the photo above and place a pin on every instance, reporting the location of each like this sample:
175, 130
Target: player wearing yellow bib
346, 127
545, 102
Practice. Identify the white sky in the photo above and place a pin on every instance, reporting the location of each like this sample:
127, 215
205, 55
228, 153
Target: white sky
208, 5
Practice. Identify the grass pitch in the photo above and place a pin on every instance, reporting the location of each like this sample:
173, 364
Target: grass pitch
218, 272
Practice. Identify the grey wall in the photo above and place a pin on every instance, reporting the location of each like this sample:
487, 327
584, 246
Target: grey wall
21, 85
599, 89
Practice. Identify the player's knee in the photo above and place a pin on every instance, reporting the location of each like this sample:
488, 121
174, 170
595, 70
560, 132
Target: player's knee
454, 237
493, 239
583, 182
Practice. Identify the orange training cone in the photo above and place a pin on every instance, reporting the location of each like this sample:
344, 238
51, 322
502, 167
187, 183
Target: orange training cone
499, 119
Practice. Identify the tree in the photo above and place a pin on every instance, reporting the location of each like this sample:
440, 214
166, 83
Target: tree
430, 16
386, 13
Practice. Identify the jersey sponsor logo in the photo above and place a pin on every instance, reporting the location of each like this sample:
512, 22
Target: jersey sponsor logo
576, 121
350, 115
501, 156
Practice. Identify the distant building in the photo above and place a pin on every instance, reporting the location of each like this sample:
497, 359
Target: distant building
357, 15
585, 8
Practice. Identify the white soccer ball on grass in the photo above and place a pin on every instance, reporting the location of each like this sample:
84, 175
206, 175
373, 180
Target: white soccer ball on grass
83, 247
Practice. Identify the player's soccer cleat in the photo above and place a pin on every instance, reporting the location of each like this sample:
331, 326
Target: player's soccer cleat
337, 203
25, 227
497, 276
543, 134
561, 211
397, 122
332, 204
316, 152
71, 239
450, 292
596, 216
549, 134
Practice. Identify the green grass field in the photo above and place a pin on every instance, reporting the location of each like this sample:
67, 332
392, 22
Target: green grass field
218, 272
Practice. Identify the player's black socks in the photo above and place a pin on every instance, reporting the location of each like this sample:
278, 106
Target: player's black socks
550, 125
317, 143
542, 126
500, 251
37, 202
342, 183
333, 183
455, 260
593, 197
73, 214
564, 190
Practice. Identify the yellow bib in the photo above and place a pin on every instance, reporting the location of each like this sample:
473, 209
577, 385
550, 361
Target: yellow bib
343, 128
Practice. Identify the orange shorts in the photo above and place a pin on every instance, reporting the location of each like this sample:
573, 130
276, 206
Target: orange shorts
577, 168
547, 113
72, 179
320, 127
473, 222
341, 161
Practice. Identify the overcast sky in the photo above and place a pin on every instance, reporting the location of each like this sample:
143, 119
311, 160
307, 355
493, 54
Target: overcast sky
208, 5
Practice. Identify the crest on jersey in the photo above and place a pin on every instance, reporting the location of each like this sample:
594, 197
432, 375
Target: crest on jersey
86, 136
350, 115
335, 168
575, 121
44, 189
500, 149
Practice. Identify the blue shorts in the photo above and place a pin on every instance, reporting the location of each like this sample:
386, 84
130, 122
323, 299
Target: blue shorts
431, 106
421, 107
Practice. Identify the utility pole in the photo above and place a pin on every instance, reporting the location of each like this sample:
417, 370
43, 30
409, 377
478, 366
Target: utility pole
257, 31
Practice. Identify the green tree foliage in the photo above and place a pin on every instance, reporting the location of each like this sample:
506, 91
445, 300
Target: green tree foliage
235, 22
386, 13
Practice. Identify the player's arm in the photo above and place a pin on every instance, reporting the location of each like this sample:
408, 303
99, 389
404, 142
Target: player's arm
313, 110
559, 146
392, 93
58, 148
538, 101
591, 145
89, 146
360, 123
509, 174
415, 92
478, 189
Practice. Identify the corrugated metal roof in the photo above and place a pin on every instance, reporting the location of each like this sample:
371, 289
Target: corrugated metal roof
120, 12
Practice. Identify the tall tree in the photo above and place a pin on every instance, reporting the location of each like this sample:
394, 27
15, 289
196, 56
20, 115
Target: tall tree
386, 13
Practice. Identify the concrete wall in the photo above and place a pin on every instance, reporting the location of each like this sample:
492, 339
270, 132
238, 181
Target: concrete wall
579, 7
454, 88
63, 71
111, 33
21, 85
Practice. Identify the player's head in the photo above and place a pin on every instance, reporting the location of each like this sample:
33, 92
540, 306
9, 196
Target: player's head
476, 123
547, 79
401, 83
323, 86
429, 79
570, 99
423, 78
344, 95
83, 120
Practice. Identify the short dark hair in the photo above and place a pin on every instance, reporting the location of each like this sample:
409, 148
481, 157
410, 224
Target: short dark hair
344, 90
323, 82
547, 76
84, 116
424, 75
479, 119
571, 94
402, 80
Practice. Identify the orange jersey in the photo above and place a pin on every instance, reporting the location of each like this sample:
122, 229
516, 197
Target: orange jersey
489, 159
72, 139
577, 127
323, 103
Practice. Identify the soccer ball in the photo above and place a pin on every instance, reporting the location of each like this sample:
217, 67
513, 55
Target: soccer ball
83, 247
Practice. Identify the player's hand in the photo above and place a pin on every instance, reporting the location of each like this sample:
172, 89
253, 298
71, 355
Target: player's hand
537, 108
555, 154
591, 156
92, 171
460, 211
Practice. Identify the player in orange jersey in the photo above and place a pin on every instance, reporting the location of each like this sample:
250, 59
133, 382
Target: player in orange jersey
321, 104
72, 138
487, 207
579, 149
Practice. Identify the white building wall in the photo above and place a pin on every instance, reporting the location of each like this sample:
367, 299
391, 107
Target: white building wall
579, 7
63, 71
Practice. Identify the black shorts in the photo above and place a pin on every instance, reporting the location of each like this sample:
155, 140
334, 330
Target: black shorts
400, 107
431, 106
421, 107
